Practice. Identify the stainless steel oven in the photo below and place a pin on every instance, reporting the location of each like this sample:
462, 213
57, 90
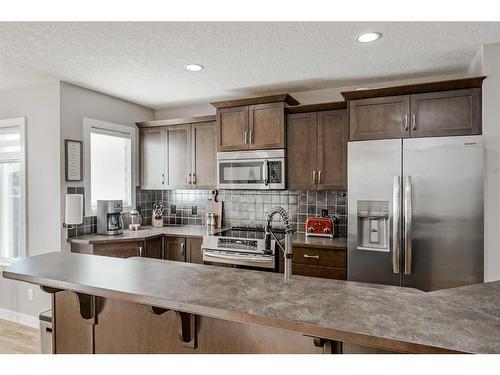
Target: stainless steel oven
259, 169
240, 247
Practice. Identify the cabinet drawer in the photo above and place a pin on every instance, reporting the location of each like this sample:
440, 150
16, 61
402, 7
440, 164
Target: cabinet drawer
119, 249
317, 271
320, 257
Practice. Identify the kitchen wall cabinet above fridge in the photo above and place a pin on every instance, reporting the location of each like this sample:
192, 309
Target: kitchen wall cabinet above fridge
176, 155
253, 123
447, 108
317, 148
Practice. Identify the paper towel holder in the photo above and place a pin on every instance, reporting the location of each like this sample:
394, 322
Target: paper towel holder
73, 210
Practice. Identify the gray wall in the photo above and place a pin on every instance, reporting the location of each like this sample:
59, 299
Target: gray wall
77, 103
40, 106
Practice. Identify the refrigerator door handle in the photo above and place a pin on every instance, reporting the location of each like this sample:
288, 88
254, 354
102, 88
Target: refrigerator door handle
407, 224
396, 249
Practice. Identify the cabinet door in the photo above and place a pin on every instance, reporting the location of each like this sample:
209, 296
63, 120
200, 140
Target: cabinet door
179, 158
232, 128
204, 155
176, 248
194, 253
446, 113
301, 150
154, 248
332, 150
267, 126
379, 118
153, 153
119, 249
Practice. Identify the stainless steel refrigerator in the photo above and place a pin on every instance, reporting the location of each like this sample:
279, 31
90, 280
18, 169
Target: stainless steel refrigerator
416, 212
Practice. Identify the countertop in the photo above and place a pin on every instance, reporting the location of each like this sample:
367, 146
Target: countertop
300, 239
145, 233
465, 319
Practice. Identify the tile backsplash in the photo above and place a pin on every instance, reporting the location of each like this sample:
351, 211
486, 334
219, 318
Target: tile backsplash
244, 208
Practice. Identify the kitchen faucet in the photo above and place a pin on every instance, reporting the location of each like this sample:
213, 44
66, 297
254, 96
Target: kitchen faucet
287, 250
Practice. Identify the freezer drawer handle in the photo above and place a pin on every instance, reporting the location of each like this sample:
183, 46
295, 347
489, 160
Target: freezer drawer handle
407, 224
396, 193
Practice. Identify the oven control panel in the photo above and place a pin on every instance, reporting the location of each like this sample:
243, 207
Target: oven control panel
238, 244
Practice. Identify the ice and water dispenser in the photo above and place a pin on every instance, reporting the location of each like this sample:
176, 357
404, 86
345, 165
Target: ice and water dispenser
373, 225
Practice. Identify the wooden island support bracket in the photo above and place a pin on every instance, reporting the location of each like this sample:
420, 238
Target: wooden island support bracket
88, 310
187, 326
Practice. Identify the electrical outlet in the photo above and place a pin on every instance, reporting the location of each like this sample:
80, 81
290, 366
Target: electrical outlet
30, 294
173, 209
194, 210
324, 212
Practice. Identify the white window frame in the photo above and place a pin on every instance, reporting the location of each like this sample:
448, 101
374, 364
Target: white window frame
107, 128
19, 122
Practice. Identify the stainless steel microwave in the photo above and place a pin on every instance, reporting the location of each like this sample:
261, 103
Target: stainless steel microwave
258, 169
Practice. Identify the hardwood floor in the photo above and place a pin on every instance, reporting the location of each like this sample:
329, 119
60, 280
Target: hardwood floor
18, 339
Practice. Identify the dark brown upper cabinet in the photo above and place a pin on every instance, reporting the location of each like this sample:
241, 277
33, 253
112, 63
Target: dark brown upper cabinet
252, 124
317, 150
447, 108
456, 112
379, 118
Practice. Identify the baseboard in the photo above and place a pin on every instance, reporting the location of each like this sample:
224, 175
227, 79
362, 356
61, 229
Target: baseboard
16, 317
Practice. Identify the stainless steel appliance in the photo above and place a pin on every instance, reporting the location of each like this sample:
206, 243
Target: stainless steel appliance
416, 212
109, 217
259, 169
240, 247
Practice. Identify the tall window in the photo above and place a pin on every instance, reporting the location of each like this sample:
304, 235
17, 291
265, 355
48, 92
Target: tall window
110, 167
12, 189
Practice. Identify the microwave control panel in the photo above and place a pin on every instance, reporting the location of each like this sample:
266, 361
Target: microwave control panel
275, 176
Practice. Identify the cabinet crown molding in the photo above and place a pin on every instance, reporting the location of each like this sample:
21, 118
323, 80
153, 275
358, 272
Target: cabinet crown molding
330, 106
418, 88
287, 99
176, 121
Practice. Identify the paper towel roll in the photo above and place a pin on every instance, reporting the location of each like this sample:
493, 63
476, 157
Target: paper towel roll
74, 209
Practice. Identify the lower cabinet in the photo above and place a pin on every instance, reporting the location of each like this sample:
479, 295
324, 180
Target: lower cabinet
179, 249
175, 248
316, 262
194, 252
154, 248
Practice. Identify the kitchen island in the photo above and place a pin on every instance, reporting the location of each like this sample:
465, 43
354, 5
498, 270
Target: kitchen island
137, 305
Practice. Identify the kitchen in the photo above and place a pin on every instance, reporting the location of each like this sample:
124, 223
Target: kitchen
324, 226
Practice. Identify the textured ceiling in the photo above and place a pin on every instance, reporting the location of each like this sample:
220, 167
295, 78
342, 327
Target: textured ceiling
144, 62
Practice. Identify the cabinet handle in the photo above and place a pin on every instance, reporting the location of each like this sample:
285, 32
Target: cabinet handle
413, 122
311, 256
319, 177
406, 123
193, 181
187, 179
163, 178
314, 177
182, 249
140, 251
246, 134
251, 136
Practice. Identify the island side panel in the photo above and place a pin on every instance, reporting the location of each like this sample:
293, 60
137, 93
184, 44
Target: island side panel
129, 328
72, 334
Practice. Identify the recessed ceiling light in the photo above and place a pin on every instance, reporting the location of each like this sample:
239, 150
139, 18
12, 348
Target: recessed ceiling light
362, 88
368, 37
193, 67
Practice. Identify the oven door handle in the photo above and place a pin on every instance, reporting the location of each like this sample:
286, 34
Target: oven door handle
236, 257
265, 171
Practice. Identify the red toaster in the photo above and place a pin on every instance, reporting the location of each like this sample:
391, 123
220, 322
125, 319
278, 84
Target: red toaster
320, 226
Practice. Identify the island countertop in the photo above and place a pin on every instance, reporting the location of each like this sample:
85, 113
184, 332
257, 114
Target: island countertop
465, 319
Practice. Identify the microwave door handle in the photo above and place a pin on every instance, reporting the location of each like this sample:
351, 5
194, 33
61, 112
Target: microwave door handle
265, 171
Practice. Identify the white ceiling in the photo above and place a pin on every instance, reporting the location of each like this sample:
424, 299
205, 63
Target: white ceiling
144, 62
